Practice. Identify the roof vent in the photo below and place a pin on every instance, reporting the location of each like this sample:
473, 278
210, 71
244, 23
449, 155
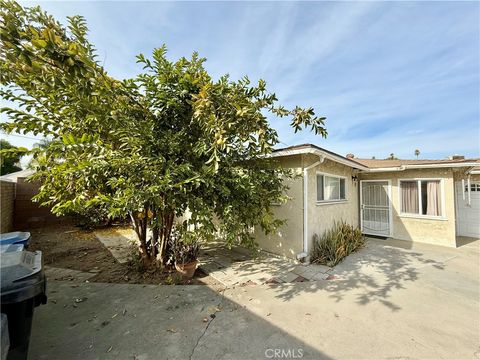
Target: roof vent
458, 157
350, 156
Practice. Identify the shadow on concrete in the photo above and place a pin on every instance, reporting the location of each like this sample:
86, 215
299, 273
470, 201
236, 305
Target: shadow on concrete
465, 241
124, 321
236, 266
372, 273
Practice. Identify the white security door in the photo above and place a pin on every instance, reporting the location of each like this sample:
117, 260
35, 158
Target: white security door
375, 208
468, 215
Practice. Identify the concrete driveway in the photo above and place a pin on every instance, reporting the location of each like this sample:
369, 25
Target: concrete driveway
387, 301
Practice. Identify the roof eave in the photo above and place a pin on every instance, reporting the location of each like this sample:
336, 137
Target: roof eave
422, 166
318, 152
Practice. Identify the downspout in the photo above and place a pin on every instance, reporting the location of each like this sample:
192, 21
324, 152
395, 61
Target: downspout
304, 254
469, 191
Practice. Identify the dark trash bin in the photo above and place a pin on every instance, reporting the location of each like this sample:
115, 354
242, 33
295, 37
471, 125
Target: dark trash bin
16, 237
23, 287
5, 344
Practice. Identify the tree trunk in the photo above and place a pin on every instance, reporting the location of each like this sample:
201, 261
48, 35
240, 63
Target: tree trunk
140, 227
161, 225
165, 231
155, 233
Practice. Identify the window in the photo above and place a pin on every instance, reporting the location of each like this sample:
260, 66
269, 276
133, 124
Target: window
473, 187
330, 188
420, 197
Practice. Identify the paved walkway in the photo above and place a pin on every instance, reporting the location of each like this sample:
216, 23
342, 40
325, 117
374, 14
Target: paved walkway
236, 267
390, 259
228, 266
118, 241
387, 257
62, 274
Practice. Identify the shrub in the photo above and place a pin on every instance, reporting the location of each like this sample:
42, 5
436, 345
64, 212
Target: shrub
335, 244
90, 218
135, 261
184, 246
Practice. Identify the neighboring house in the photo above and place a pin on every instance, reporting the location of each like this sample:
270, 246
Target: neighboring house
18, 174
430, 201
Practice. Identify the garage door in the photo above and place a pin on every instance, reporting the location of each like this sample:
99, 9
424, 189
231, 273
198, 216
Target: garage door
468, 215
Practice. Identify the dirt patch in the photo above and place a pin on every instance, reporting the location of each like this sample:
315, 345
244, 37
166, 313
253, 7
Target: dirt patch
69, 247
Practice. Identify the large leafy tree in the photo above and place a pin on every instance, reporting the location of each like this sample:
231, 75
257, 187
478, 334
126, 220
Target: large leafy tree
168, 141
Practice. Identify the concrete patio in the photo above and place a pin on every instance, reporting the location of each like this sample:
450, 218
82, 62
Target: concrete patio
236, 267
389, 300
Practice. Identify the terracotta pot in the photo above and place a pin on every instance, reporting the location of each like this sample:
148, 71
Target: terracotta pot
187, 270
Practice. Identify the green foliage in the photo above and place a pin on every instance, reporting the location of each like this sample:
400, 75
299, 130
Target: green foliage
38, 158
392, 157
9, 158
174, 279
150, 147
335, 244
87, 217
184, 246
135, 261
91, 217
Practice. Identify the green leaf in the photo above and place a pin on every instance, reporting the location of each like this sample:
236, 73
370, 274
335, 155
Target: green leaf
39, 43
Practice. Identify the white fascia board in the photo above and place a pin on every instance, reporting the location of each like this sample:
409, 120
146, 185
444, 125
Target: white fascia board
440, 165
288, 152
320, 153
420, 166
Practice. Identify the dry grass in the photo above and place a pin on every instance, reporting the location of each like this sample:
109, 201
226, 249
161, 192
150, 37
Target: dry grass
73, 248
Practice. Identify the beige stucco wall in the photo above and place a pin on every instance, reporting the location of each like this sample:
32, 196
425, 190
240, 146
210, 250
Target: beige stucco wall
322, 216
287, 240
432, 231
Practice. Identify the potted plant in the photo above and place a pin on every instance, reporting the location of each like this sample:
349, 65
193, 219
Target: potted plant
185, 249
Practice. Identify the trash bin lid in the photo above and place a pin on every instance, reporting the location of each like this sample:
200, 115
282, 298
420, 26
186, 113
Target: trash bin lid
22, 276
14, 237
11, 247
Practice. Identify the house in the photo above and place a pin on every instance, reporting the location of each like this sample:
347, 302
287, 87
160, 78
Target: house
429, 201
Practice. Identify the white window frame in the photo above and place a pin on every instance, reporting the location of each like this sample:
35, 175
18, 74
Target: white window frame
474, 187
420, 215
322, 202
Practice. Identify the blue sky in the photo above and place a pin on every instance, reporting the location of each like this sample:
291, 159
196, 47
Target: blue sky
389, 77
